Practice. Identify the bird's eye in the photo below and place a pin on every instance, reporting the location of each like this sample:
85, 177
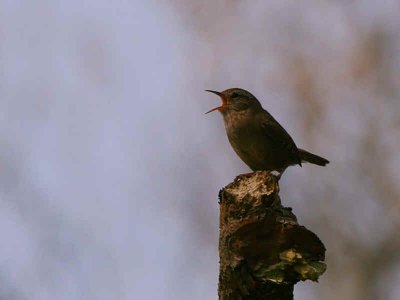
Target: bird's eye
234, 95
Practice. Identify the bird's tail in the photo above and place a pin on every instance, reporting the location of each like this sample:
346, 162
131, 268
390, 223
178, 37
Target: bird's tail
312, 158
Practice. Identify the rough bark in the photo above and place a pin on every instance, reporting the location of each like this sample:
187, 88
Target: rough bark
263, 250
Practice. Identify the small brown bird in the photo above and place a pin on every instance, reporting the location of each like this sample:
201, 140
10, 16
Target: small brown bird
259, 140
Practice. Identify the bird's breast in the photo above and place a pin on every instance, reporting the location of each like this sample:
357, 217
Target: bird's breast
248, 141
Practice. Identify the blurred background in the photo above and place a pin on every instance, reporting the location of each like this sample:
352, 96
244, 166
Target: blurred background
109, 169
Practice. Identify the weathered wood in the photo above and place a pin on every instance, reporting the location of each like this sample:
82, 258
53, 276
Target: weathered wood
263, 250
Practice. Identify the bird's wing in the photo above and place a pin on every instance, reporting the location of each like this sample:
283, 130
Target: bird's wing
279, 136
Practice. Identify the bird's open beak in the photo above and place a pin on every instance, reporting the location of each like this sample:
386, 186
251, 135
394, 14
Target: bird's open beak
223, 98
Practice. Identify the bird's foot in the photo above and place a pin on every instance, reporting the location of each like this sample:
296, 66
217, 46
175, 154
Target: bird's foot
244, 175
278, 173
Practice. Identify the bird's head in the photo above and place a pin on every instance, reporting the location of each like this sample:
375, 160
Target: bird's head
235, 100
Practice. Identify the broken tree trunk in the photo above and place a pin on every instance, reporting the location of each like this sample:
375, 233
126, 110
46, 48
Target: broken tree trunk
263, 251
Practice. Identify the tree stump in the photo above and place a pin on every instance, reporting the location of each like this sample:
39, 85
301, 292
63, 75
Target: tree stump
263, 251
